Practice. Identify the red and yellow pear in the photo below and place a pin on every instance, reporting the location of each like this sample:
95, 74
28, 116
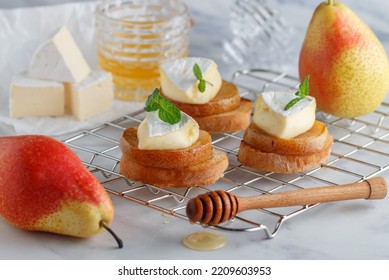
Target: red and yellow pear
45, 187
347, 64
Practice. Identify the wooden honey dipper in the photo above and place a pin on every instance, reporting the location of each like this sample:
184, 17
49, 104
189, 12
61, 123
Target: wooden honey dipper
213, 208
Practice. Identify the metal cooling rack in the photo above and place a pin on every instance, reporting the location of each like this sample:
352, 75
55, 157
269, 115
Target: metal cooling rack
360, 151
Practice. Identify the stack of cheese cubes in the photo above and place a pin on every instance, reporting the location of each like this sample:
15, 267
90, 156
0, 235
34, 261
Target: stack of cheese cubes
59, 82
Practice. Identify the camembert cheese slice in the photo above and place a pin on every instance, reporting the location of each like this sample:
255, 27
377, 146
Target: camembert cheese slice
270, 114
179, 83
59, 59
155, 134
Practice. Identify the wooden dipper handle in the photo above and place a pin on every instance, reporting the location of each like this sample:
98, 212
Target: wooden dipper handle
374, 188
216, 207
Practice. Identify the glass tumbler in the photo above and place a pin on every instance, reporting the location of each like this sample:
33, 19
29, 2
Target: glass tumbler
134, 37
260, 36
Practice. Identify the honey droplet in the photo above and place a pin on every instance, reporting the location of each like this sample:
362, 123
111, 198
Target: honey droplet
204, 241
166, 215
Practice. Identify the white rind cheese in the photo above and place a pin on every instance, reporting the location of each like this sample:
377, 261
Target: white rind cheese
154, 134
179, 83
93, 95
32, 97
59, 59
270, 114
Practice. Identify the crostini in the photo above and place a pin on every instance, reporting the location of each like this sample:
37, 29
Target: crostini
169, 150
195, 86
284, 136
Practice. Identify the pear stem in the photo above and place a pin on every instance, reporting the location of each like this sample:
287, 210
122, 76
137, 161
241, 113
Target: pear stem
118, 240
330, 2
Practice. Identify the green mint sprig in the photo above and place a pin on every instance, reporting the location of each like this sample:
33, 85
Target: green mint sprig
168, 112
199, 76
301, 93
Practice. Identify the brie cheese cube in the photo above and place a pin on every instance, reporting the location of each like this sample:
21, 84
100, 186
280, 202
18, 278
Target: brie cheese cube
93, 95
32, 97
179, 83
59, 59
270, 114
155, 134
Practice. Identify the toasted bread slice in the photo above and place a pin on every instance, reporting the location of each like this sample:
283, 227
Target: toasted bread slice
205, 173
227, 99
231, 121
308, 142
283, 163
200, 151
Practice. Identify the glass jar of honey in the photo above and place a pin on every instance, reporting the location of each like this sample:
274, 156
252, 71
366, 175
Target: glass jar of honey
134, 37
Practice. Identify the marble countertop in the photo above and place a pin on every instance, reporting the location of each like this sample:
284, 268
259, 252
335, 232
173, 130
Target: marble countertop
344, 230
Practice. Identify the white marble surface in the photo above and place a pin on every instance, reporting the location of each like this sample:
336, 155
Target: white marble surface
346, 230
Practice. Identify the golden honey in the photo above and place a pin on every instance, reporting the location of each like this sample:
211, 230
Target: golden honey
131, 79
204, 241
135, 37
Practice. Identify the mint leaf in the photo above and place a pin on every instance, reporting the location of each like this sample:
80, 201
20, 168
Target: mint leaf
199, 77
197, 72
304, 87
152, 102
301, 93
168, 112
292, 103
201, 86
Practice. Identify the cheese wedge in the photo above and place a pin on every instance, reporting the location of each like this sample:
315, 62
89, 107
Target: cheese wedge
90, 97
179, 83
59, 59
155, 134
33, 97
270, 114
